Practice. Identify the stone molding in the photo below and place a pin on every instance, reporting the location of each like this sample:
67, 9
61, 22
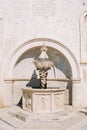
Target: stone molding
27, 79
83, 39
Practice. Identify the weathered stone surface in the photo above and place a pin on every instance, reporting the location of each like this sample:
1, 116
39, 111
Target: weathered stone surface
66, 119
43, 100
43, 22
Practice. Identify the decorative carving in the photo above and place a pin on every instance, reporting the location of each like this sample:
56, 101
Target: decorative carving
27, 99
28, 103
43, 102
43, 65
57, 100
43, 78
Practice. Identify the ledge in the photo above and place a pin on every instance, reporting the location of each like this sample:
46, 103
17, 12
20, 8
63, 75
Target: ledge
43, 90
27, 79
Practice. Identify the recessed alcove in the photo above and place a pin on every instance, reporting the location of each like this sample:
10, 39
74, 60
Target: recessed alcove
26, 75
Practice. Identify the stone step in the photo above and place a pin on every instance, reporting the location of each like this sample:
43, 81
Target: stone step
19, 115
29, 116
25, 120
21, 125
14, 122
34, 118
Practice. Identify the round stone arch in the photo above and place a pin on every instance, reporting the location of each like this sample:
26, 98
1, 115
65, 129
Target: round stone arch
39, 42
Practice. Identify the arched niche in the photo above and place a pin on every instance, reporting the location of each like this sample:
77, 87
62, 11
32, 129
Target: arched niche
20, 67
24, 66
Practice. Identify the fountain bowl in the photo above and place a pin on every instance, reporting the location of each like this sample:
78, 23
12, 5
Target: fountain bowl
43, 64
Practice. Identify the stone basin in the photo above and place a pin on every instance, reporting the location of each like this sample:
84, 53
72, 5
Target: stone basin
43, 100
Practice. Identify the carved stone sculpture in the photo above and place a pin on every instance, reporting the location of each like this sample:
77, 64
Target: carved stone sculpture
43, 65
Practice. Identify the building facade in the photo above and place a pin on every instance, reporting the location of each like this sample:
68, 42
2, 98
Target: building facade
25, 26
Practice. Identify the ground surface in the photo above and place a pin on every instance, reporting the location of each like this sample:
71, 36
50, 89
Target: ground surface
15, 118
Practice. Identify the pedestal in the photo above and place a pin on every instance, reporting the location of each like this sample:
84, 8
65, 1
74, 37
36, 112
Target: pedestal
43, 100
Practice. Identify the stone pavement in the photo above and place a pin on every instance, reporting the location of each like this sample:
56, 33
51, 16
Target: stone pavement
15, 118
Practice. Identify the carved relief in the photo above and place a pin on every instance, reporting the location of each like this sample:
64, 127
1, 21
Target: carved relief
58, 101
43, 102
27, 100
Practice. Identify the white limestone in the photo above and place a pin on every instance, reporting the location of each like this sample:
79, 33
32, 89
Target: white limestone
43, 100
24, 26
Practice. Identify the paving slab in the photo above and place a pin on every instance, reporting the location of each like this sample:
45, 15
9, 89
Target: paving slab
66, 119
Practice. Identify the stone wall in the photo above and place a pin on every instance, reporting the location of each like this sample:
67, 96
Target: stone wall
21, 21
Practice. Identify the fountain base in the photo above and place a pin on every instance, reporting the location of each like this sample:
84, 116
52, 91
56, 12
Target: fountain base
43, 100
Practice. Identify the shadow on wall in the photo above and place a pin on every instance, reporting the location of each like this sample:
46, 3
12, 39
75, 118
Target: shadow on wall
34, 82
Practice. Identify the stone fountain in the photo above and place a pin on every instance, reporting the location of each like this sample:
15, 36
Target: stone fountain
43, 65
43, 100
